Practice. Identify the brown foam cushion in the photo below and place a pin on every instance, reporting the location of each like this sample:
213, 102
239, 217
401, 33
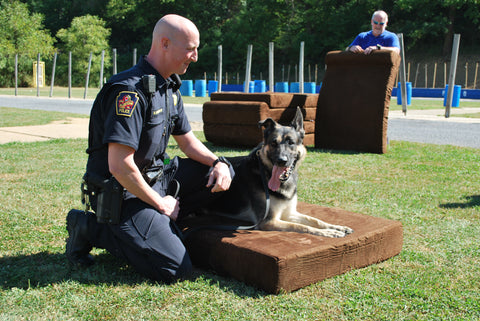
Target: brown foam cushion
235, 123
286, 261
244, 135
353, 102
250, 112
273, 100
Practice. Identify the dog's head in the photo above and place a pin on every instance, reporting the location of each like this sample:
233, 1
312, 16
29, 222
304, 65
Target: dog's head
282, 149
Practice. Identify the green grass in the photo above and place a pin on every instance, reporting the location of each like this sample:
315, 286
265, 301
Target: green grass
422, 104
17, 117
433, 190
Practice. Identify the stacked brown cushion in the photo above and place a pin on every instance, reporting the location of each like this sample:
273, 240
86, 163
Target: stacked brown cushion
286, 261
353, 103
231, 119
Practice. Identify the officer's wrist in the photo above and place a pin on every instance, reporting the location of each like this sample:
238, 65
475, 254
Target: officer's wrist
221, 159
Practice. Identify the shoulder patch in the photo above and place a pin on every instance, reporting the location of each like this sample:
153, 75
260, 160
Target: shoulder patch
125, 103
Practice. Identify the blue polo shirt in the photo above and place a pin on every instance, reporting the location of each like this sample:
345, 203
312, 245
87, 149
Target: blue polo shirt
367, 39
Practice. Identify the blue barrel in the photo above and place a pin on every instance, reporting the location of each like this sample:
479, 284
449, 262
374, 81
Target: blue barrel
457, 89
212, 87
251, 87
186, 89
260, 86
281, 87
295, 87
309, 88
200, 88
409, 94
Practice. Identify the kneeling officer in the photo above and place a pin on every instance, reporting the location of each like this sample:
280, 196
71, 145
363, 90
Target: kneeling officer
128, 171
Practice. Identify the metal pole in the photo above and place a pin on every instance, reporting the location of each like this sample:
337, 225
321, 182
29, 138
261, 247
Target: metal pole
475, 78
69, 74
134, 56
466, 75
38, 75
53, 73
301, 67
426, 76
220, 65
403, 83
453, 71
16, 74
434, 74
416, 74
271, 80
88, 76
102, 61
114, 61
248, 69
408, 72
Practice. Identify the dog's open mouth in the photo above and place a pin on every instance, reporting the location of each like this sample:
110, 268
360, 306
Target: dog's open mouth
280, 174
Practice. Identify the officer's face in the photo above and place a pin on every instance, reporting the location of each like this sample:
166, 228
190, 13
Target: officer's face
184, 51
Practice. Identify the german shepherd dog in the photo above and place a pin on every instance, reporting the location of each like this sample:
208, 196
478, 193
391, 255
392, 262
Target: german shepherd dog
264, 189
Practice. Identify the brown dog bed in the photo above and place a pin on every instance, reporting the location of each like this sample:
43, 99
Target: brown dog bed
286, 261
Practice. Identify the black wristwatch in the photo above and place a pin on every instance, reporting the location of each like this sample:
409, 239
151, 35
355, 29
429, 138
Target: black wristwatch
223, 160
379, 47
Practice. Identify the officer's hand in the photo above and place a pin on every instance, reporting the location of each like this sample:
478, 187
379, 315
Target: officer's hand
220, 174
170, 207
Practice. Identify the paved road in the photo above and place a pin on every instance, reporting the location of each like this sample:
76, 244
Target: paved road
417, 126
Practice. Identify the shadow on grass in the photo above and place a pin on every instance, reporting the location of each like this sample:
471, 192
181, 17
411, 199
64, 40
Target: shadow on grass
471, 201
44, 269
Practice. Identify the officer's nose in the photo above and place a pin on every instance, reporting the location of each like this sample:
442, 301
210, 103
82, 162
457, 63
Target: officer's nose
195, 55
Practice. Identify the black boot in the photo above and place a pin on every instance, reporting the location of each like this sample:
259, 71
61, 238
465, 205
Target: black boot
78, 247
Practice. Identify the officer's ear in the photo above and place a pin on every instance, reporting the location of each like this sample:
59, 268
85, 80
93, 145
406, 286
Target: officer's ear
165, 42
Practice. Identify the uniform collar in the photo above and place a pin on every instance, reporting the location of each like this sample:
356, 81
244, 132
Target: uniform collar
149, 70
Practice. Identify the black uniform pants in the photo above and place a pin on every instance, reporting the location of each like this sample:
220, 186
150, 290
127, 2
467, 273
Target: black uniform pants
147, 239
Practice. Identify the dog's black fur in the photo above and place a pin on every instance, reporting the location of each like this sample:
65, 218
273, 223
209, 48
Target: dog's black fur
278, 157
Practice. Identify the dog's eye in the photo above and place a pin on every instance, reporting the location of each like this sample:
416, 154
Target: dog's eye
290, 141
273, 144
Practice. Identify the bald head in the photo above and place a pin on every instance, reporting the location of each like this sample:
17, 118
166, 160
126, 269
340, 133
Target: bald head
174, 45
173, 26
380, 14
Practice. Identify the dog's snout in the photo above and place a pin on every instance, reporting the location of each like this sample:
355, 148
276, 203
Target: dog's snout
282, 160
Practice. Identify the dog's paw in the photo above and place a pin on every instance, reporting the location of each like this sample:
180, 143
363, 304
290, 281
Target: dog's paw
347, 230
332, 233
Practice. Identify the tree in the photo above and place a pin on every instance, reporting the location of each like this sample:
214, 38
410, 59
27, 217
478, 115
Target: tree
21, 33
87, 34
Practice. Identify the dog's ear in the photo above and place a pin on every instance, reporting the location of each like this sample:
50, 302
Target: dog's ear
269, 125
297, 122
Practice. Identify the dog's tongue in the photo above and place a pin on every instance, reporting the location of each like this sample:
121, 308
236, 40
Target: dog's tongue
274, 182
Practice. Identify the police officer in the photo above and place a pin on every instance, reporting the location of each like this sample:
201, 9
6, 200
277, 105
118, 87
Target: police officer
131, 121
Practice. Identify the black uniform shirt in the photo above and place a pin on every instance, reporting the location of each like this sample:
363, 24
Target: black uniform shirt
125, 112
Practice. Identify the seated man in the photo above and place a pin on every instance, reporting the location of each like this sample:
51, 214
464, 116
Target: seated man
376, 39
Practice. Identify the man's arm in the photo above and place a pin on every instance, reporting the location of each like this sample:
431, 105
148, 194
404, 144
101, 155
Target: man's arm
196, 150
122, 166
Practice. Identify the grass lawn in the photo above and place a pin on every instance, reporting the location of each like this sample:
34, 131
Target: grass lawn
433, 190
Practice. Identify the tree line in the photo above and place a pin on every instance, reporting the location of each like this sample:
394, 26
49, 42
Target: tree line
32, 27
